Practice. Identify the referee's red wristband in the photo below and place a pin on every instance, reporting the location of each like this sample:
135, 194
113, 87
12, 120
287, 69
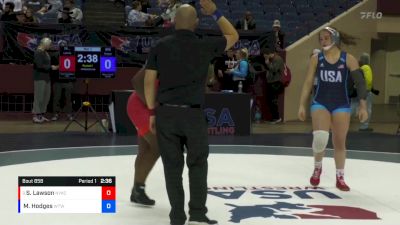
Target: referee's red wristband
152, 112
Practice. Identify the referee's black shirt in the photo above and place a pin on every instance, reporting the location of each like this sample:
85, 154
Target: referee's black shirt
181, 60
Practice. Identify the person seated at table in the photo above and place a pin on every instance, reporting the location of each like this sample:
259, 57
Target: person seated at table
138, 18
241, 71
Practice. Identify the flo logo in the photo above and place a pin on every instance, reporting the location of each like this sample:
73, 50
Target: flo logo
278, 208
371, 15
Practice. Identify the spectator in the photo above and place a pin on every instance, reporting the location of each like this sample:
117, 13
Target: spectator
9, 14
137, 16
29, 17
59, 85
169, 14
221, 67
247, 23
367, 71
278, 36
257, 68
35, 5
241, 71
76, 13
65, 16
275, 66
50, 12
163, 4
41, 80
145, 5
120, 3
17, 5
53, 7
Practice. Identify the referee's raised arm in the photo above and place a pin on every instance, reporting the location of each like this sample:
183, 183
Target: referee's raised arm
208, 7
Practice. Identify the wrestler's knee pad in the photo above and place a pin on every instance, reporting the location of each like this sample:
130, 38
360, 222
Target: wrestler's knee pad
320, 140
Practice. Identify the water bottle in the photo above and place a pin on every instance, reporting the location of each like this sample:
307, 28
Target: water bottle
257, 115
240, 87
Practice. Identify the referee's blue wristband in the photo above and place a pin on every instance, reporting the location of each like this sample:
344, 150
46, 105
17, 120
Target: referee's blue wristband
217, 15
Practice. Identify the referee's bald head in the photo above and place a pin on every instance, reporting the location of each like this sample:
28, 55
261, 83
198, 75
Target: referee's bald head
186, 18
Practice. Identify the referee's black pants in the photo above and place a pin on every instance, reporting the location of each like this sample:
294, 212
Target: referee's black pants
178, 127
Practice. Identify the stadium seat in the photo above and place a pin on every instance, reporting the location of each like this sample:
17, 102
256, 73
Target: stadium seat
304, 9
351, 3
306, 17
287, 9
264, 25
312, 25
322, 17
235, 4
290, 16
285, 2
271, 9
317, 4
300, 2
155, 11
273, 16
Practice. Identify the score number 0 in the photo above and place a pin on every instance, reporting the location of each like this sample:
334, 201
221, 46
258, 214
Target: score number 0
67, 63
107, 64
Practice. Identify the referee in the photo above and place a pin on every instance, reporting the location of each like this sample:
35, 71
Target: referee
180, 62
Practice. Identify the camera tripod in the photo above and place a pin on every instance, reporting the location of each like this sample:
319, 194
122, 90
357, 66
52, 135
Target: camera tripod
86, 104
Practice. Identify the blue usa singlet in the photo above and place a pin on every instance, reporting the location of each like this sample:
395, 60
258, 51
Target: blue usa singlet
331, 92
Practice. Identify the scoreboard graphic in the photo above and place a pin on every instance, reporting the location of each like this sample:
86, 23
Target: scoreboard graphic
66, 195
87, 62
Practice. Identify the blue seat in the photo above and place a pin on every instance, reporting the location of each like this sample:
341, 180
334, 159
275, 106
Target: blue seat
306, 17
300, 33
223, 6
312, 25
304, 9
237, 14
300, 2
322, 18
252, 3
220, 2
273, 16
317, 5
290, 16
263, 26
291, 25
270, 2
235, 3
285, 2
234, 8
324, 10
254, 8
225, 12
351, 3
155, 11
257, 14
287, 9
339, 10
271, 8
